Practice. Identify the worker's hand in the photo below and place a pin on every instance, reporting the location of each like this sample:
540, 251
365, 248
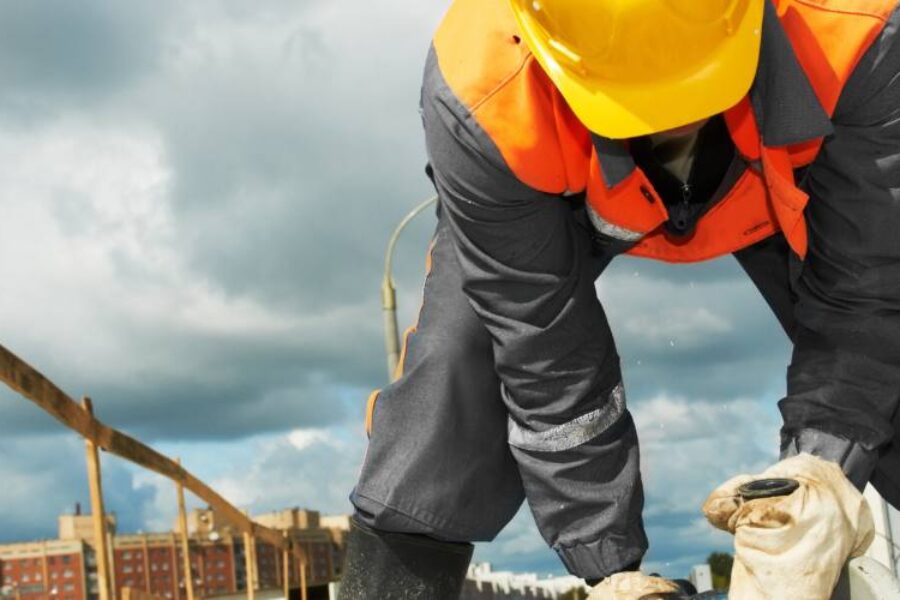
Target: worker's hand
792, 547
632, 585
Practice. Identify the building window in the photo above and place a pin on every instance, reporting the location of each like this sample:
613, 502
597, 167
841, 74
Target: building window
127, 569
154, 567
26, 578
126, 555
165, 567
66, 559
68, 573
69, 587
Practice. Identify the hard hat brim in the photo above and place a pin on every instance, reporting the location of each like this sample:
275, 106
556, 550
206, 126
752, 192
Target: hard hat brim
625, 111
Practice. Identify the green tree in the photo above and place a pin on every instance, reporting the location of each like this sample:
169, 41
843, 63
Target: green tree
720, 565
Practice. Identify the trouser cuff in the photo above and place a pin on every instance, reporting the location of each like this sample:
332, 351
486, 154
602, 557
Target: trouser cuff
856, 461
604, 557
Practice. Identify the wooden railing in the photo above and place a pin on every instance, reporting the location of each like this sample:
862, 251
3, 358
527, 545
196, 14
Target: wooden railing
31, 384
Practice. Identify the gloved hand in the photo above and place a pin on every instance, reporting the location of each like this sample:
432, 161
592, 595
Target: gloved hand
792, 547
632, 585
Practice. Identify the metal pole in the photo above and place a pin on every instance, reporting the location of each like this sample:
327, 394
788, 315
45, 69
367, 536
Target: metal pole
98, 512
389, 294
185, 547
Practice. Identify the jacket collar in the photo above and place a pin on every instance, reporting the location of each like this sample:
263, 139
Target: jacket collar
784, 102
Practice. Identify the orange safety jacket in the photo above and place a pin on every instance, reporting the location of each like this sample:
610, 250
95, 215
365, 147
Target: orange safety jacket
491, 71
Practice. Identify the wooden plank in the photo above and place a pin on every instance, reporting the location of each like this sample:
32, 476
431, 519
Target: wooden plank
232, 562
98, 512
111, 557
300, 555
255, 563
185, 546
31, 384
249, 543
146, 563
286, 567
173, 547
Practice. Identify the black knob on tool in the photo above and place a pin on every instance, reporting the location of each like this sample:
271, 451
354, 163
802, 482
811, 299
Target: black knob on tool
768, 488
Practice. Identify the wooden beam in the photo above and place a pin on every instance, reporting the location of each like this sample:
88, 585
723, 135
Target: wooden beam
146, 562
98, 513
185, 546
254, 563
232, 562
286, 567
249, 543
111, 557
174, 549
300, 554
31, 384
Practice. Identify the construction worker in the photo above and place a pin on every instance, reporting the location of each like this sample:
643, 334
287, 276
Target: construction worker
561, 133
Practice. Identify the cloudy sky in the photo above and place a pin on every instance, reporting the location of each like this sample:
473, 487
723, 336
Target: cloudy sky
195, 201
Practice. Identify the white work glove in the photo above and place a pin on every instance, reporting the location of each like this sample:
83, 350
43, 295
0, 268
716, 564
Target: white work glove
632, 585
792, 547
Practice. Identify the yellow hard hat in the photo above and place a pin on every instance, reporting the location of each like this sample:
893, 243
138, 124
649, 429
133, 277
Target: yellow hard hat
633, 67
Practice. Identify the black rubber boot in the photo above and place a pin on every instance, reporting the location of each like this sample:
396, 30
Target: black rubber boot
398, 566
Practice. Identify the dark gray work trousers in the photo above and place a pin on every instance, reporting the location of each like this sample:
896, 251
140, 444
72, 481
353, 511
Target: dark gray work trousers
450, 454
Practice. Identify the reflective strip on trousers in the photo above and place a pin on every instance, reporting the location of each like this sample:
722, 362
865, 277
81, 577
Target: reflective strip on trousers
574, 433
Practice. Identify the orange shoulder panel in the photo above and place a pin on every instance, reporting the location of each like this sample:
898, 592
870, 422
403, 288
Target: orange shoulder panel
491, 71
829, 39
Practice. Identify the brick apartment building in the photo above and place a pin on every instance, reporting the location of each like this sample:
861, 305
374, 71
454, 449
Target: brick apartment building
66, 568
